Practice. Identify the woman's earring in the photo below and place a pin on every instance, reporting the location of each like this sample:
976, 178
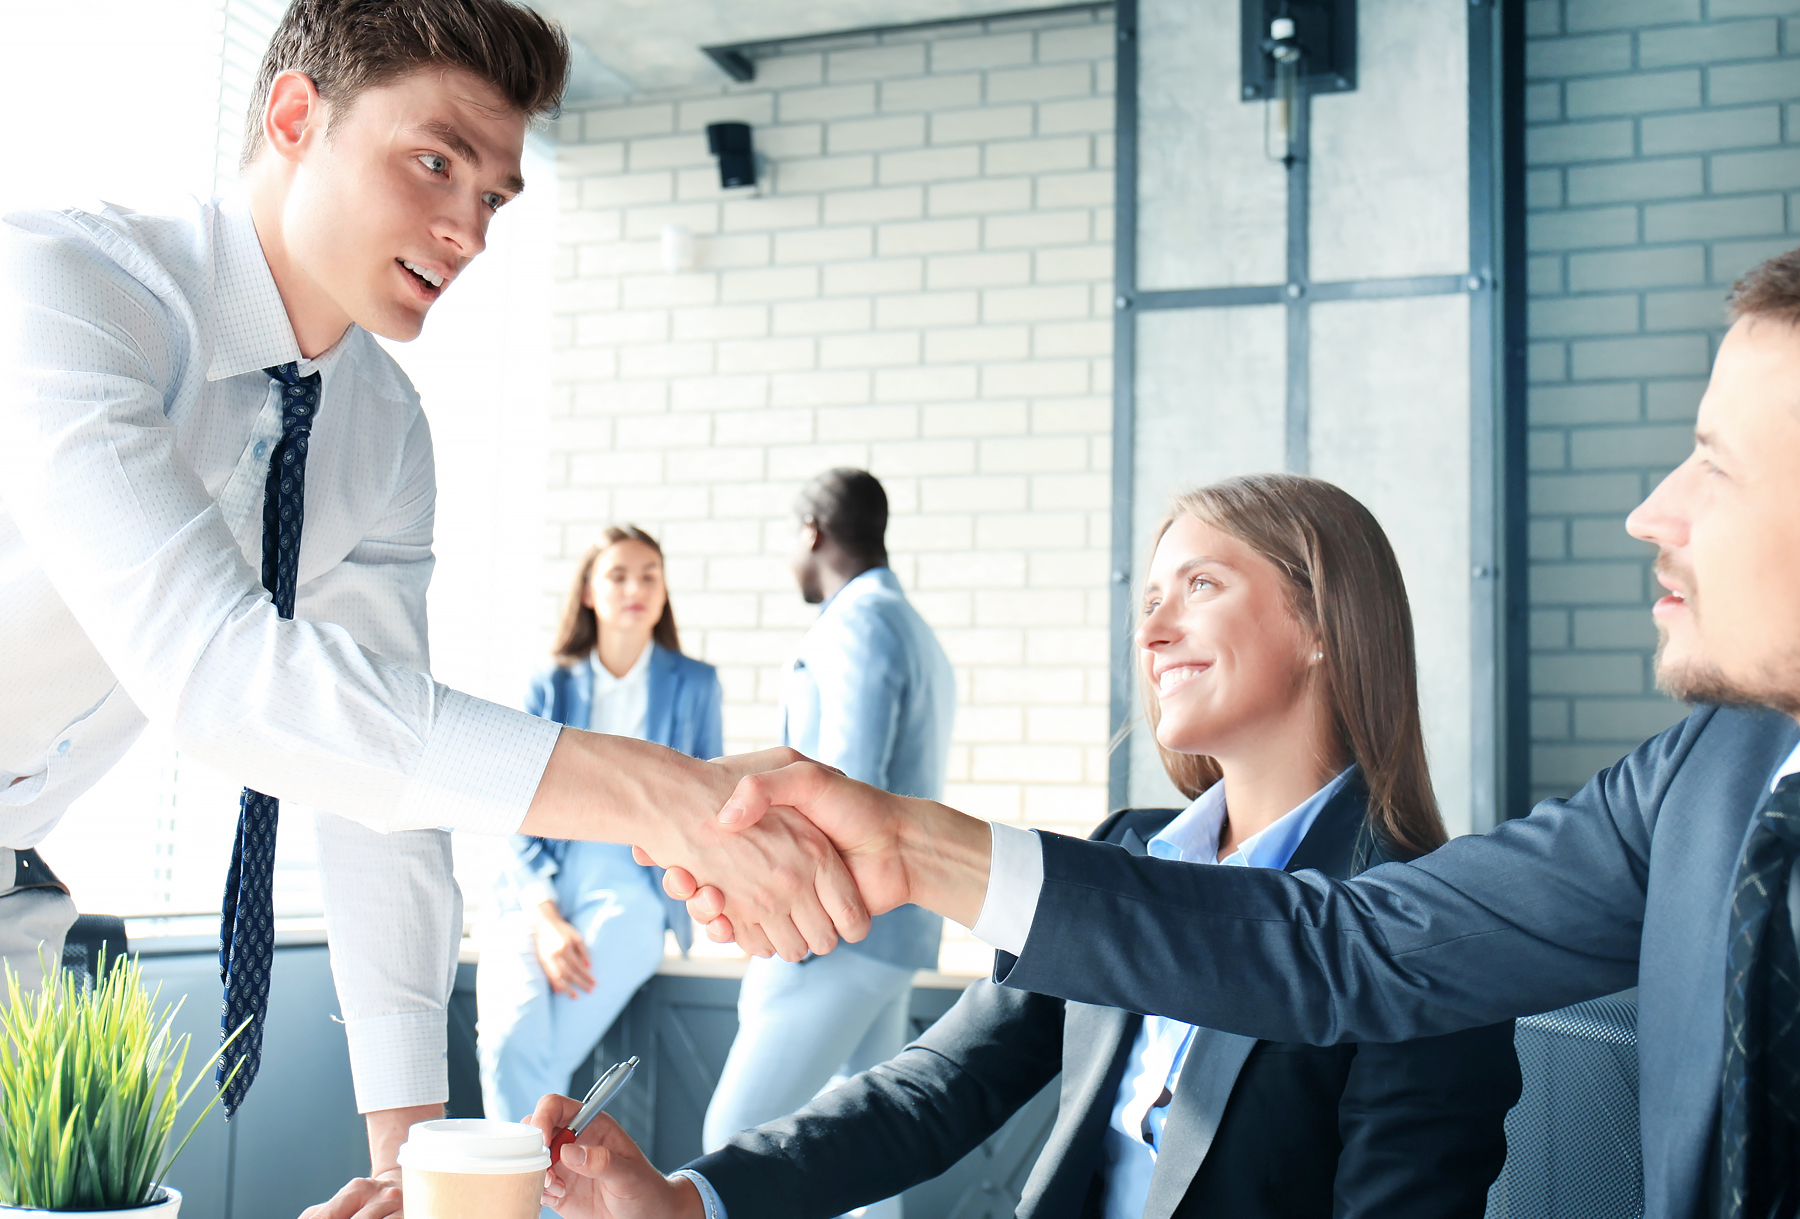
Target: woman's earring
1318, 656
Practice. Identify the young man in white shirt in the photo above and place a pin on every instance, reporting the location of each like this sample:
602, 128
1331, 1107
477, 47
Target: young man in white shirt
141, 406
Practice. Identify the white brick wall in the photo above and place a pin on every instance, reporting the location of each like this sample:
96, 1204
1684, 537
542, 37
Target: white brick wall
924, 291
1661, 145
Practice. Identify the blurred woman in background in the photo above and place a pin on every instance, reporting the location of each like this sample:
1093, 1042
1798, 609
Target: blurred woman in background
579, 925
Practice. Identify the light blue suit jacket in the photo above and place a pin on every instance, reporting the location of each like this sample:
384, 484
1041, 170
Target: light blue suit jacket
684, 714
872, 693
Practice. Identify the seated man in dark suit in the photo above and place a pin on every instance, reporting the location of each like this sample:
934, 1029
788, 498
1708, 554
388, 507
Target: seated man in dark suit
1277, 665
1673, 870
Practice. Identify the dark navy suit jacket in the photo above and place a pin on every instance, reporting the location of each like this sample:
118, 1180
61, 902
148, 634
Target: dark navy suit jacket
1257, 1129
1626, 883
684, 714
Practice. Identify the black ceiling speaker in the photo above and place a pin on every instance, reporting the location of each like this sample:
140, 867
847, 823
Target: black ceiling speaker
730, 142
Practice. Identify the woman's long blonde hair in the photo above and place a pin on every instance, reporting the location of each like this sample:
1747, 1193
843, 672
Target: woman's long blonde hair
579, 632
1345, 589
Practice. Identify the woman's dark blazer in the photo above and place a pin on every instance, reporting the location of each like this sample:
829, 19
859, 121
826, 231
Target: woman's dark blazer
1257, 1129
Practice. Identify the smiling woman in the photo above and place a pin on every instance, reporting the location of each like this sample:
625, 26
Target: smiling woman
1275, 608
1277, 658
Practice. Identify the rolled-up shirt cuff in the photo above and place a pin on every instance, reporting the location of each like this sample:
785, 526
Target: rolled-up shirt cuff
533, 894
1015, 879
398, 1061
709, 1197
480, 769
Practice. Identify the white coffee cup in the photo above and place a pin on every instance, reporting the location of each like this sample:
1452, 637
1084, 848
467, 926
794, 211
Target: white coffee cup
471, 1168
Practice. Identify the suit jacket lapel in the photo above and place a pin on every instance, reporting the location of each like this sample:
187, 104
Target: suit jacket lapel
1096, 1043
581, 694
1215, 1059
659, 724
1207, 1078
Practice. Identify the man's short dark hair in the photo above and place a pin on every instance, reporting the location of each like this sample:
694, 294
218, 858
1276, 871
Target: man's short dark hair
1771, 290
848, 506
347, 46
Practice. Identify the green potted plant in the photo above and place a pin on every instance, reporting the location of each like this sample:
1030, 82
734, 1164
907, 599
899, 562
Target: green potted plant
90, 1083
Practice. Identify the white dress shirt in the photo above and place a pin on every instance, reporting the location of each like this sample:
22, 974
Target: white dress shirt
135, 428
621, 705
1134, 1132
1789, 767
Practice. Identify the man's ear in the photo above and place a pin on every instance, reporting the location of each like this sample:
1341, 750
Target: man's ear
295, 111
815, 537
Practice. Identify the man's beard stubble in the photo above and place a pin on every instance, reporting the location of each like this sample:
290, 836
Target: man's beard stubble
1777, 687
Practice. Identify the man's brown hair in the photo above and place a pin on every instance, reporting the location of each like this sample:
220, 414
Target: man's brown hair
1771, 290
1345, 589
347, 46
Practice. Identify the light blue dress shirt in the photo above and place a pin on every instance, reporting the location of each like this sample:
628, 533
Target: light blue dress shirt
871, 692
1134, 1132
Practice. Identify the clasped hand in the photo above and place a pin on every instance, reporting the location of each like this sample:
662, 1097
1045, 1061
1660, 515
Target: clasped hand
864, 824
791, 891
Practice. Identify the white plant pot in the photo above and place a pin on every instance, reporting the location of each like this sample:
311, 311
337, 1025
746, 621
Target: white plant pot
168, 1208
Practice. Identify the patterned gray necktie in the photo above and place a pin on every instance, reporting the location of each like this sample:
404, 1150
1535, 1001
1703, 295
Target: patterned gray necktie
247, 931
1759, 1090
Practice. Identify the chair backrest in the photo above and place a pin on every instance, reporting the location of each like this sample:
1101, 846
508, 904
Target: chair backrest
81, 947
1572, 1140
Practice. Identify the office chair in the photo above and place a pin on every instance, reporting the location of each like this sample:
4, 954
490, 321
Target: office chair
1572, 1140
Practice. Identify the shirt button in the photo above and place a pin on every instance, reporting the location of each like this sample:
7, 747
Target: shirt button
262, 449
62, 747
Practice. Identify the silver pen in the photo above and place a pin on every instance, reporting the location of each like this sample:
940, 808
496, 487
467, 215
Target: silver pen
604, 1089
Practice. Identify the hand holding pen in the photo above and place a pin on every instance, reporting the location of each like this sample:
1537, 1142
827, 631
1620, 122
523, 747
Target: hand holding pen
604, 1089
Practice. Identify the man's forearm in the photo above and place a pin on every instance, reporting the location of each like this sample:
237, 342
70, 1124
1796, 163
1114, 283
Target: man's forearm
387, 1130
612, 789
947, 856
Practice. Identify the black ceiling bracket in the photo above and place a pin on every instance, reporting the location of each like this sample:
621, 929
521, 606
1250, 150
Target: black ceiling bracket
1321, 33
738, 59
736, 64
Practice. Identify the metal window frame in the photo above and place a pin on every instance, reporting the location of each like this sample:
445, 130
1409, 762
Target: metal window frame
1494, 284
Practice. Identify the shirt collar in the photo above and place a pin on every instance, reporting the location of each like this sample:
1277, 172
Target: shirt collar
875, 577
1194, 834
606, 683
1789, 767
253, 328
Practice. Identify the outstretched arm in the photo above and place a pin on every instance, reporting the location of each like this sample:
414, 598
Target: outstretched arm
1541, 912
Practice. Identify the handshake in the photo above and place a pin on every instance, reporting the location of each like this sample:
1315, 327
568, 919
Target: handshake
779, 853
802, 856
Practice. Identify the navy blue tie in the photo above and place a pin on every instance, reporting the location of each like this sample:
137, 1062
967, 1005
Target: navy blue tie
247, 931
1759, 1122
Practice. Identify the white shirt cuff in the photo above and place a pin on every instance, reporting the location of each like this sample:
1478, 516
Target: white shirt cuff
481, 767
398, 1061
1015, 879
715, 1207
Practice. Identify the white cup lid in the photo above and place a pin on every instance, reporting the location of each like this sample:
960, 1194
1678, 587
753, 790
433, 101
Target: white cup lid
474, 1145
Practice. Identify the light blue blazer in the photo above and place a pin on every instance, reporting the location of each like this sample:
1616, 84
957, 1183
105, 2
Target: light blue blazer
871, 692
684, 714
